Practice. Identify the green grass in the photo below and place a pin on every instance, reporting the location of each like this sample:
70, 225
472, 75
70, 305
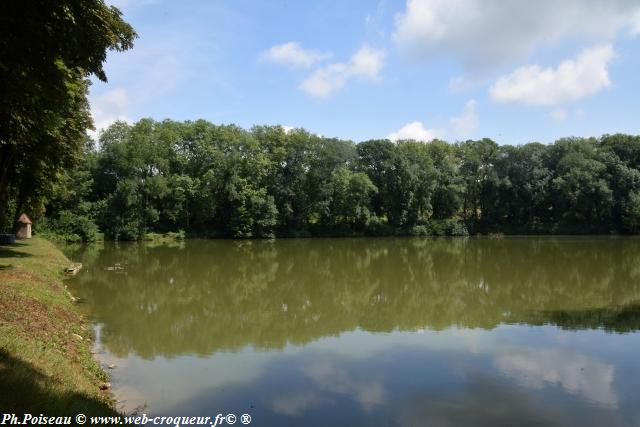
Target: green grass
43, 367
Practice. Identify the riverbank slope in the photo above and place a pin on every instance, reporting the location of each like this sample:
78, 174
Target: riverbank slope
46, 365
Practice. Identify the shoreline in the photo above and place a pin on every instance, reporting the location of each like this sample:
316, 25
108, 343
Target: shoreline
46, 363
177, 237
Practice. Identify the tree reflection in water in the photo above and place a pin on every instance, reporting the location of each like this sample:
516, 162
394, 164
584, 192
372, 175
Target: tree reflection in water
204, 296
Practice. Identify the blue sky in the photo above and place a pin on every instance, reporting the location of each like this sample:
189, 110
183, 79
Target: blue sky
515, 71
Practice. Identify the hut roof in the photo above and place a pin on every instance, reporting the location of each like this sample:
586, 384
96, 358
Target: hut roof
24, 219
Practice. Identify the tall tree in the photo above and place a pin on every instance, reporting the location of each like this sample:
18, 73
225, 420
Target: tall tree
48, 49
580, 192
375, 158
478, 168
447, 194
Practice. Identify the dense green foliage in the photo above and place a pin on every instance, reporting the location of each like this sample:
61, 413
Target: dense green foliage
227, 181
48, 49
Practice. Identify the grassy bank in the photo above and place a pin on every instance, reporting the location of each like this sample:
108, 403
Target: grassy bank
46, 365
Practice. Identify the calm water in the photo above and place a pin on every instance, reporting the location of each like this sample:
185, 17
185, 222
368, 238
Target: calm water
411, 332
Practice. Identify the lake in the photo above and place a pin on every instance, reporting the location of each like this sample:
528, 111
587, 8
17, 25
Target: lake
379, 331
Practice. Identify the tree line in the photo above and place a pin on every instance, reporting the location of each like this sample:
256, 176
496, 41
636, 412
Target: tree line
225, 181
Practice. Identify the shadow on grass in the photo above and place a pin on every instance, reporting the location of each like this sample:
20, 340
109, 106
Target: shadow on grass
10, 251
25, 389
620, 319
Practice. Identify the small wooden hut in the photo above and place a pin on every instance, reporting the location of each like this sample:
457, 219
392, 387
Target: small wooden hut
23, 227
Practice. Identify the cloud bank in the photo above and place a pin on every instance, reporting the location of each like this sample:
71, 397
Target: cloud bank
488, 33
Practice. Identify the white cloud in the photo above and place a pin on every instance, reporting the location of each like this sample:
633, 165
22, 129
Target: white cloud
467, 122
365, 63
487, 33
415, 131
293, 55
107, 108
571, 80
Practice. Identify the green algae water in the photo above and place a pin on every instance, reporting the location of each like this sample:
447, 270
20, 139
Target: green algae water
382, 332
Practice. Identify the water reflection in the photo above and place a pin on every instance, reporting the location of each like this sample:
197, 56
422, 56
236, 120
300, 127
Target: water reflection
625, 318
485, 403
576, 373
344, 332
416, 385
224, 295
